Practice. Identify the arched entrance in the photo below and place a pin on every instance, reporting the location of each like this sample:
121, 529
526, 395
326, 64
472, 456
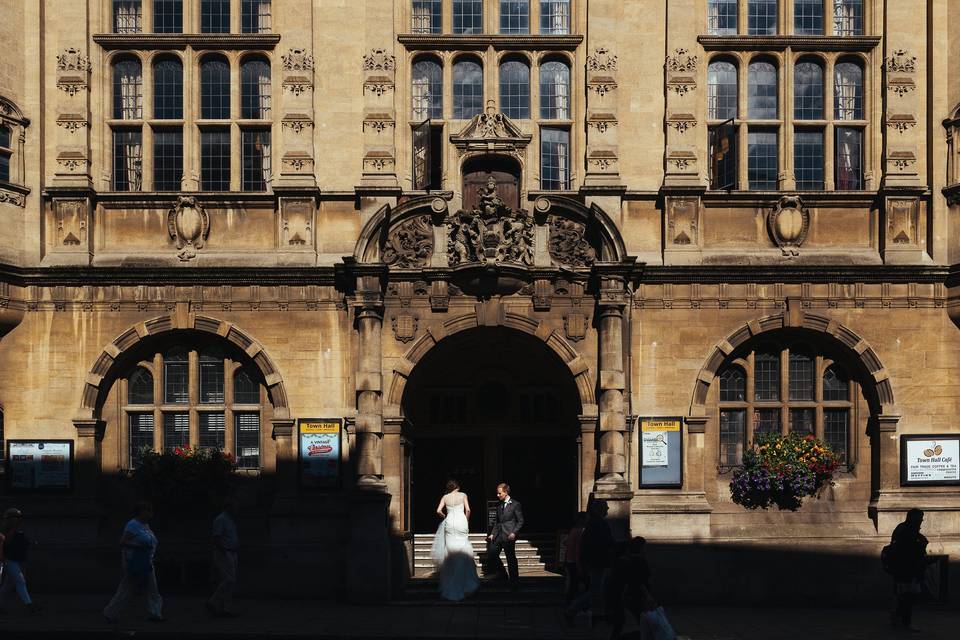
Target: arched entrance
486, 405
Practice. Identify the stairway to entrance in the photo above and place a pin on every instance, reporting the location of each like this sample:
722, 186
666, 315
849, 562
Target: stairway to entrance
534, 552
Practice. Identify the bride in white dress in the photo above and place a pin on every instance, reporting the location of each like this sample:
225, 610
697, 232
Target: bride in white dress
452, 553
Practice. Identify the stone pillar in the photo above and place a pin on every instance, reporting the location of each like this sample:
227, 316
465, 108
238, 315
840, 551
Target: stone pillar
87, 456
286, 451
369, 377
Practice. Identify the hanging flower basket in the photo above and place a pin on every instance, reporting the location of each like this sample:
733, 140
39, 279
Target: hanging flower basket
780, 471
186, 480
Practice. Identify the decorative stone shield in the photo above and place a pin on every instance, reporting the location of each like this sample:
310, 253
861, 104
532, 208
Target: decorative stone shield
788, 224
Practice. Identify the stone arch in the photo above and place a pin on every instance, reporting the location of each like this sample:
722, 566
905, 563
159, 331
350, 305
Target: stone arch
881, 398
492, 315
104, 370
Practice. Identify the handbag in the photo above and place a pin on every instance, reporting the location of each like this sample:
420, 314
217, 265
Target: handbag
656, 626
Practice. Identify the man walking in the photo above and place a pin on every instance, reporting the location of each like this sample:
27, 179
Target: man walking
226, 544
909, 563
503, 535
596, 552
15, 547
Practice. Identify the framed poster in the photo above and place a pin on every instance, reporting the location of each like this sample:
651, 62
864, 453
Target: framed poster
929, 459
40, 465
661, 452
320, 448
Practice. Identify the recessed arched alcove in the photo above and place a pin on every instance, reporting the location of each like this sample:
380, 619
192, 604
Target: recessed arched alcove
505, 171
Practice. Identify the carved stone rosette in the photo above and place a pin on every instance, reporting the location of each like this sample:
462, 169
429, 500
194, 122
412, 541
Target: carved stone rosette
788, 223
410, 244
189, 226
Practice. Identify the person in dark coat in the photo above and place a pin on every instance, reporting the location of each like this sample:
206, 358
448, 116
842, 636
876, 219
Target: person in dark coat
596, 552
573, 570
908, 565
628, 586
16, 545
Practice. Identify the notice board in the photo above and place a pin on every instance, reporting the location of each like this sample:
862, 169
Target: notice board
320, 448
929, 459
40, 465
661, 452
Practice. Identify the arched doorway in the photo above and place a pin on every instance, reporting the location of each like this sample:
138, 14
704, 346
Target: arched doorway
488, 405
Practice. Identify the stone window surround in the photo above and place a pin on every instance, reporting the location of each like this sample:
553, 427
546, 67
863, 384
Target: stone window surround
14, 191
785, 61
491, 17
191, 17
785, 19
191, 124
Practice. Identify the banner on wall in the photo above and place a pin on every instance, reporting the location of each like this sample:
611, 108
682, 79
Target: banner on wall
320, 451
40, 465
932, 460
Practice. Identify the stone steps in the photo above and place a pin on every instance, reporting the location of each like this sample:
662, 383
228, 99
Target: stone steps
534, 552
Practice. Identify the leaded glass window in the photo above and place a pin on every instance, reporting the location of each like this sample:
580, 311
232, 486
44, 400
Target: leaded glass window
212, 430
168, 89
554, 17
255, 145
515, 89
214, 88
255, 89
215, 159
808, 159
247, 438
255, 16
6, 152
127, 159
849, 159
848, 91
762, 87
468, 16
722, 17
554, 90
211, 376
127, 89
167, 159
168, 16
766, 376
808, 17
246, 389
214, 16
762, 17
836, 385
848, 17
427, 16
514, 17
762, 167
721, 90
836, 426
140, 387
427, 89
801, 376
127, 16
732, 436
467, 89
733, 385
140, 428
554, 158
176, 430
176, 377
808, 91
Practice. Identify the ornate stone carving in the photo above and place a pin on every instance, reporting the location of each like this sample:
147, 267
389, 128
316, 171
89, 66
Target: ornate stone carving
71, 85
602, 61
71, 223
297, 86
601, 125
379, 60
296, 223
602, 163
682, 221
189, 226
297, 123
72, 59
378, 125
297, 60
900, 61
409, 245
490, 124
568, 244
901, 122
71, 122
788, 223
682, 62
12, 198
901, 86
490, 233
602, 88
902, 221
404, 327
682, 123
378, 88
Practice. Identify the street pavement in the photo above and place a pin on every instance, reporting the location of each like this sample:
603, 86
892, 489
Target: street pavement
77, 617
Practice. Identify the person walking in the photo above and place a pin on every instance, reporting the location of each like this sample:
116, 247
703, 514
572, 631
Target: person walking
138, 546
908, 564
596, 551
16, 546
628, 587
226, 546
502, 535
571, 559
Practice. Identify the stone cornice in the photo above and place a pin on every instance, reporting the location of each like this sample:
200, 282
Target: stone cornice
111, 41
166, 276
482, 41
794, 273
864, 44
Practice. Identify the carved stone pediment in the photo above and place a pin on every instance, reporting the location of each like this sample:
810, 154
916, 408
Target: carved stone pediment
491, 130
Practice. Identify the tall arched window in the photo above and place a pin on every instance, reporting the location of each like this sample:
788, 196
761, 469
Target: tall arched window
762, 91
6, 152
848, 107
721, 90
140, 387
127, 16
255, 16
127, 141
762, 139
555, 90
214, 88
554, 17
722, 17
467, 89
427, 89
168, 89
468, 16
848, 91
127, 89
808, 17
167, 140
255, 88
808, 90
762, 17
214, 16
168, 16
514, 17
515, 89
848, 17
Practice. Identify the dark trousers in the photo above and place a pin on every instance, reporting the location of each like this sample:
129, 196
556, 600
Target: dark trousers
509, 547
574, 580
903, 614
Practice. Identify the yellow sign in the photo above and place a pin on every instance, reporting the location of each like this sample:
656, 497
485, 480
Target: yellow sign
660, 425
319, 427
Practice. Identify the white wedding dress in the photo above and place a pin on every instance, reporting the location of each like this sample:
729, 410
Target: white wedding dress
452, 553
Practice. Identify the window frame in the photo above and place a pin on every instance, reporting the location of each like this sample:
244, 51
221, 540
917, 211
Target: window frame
466, 104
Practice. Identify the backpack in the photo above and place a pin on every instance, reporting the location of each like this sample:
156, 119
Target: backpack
888, 558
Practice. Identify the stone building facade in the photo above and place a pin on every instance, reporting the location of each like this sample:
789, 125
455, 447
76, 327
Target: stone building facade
490, 235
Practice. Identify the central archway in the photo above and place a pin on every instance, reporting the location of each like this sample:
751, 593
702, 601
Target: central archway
493, 404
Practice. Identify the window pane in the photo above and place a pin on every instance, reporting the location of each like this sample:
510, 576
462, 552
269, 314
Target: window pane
808, 159
808, 91
766, 377
167, 159
211, 377
139, 436
127, 160
723, 156
554, 17
214, 89
467, 89
176, 389
849, 159
762, 160
127, 16
554, 91
3, 445
427, 90
168, 16
836, 385
255, 16
140, 387
766, 421
721, 91
848, 91
255, 89
4, 137
256, 159
247, 435
762, 18
733, 385
762, 85
515, 89
848, 17
4, 166
214, 16
212, 431
801, 377
468, 16
427, 16
176, 430
246, 389
168, 90
801, 420
722, 17
732, 435
127, 90
808, 17
835, 431
554, 159
514, 16
215, 160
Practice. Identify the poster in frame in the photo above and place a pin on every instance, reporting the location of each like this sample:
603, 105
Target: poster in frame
661, 452
320, 449
929, 459
39, 465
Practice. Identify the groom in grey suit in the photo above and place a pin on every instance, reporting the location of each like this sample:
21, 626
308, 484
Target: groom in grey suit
503, 535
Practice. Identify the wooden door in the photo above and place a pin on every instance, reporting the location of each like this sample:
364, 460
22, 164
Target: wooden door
503, 171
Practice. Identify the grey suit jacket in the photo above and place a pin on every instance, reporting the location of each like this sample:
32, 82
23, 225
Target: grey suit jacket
509, 520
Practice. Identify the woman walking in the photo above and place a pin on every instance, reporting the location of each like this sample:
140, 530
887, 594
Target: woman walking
138, 546
15, 545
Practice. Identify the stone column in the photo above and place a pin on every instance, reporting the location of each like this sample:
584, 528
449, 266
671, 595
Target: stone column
369, 377
87, 456
286, 452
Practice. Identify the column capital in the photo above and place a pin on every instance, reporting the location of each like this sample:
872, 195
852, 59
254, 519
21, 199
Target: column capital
282, 428
90, 428
696, 424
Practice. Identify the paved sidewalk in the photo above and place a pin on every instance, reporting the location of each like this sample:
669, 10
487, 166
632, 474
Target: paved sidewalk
186, 618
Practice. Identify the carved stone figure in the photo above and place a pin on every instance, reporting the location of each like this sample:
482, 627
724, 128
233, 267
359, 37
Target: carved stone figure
409, 244
490, 233
569, 244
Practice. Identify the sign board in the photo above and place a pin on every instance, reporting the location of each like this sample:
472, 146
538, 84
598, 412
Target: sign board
661, 452
320, 451
40, 465
929, 460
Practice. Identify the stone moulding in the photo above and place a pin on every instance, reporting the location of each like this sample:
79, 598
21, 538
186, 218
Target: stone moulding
179, 41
